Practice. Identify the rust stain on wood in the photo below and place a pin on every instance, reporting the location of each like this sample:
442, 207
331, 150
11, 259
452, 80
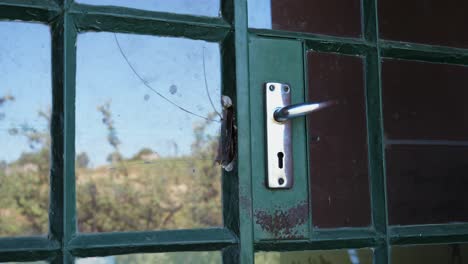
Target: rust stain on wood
283, 223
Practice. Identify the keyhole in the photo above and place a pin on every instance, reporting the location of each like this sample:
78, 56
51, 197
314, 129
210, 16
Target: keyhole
280, 159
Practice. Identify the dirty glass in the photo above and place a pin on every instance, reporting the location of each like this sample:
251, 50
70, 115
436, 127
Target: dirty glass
25, 105
426, 141
147, 131
330, 17
430, 254
426, 184
210, 257
337, 137
344, 256
192, 7
429, 21
424, 101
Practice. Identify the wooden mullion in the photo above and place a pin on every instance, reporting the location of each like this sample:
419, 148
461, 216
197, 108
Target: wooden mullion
128, 20
324, 244
62, 211
105, 244
28, 249
429, 234
230, 180
243, 113
422, 52
375, 131
29, 10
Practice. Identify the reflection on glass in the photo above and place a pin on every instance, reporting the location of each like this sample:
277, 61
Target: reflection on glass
198, 7
162, 258
331, 17
430, 21
426, 184
339, 183
430, 254
25, 103
345, 256
426, 133
424, 101
147, 129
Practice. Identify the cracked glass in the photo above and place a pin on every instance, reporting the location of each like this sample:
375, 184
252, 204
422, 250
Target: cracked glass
148, 118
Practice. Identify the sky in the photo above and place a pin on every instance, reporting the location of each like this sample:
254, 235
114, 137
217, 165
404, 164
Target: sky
172, 66
259, 13
259, 10
25, 74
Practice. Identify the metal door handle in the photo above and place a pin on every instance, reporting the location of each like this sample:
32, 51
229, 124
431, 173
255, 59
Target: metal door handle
286, 113
278, 110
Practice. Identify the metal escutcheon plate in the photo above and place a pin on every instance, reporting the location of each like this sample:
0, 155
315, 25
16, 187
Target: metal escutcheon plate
279, 145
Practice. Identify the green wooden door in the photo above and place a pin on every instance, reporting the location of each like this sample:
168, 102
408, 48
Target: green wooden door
111, 118
377, 174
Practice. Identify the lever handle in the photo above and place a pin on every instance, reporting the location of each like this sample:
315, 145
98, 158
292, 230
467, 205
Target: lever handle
279, 132
286, 113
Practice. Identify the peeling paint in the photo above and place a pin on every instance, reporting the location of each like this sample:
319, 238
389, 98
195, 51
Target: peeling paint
283, 223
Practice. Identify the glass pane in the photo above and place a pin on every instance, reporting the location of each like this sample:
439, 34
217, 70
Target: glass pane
159, 258
426, 137
198, 7
429, 21
426, 184
331, 17
147, 129
338, 141
25, 103
430, 254
344, 256
424, 101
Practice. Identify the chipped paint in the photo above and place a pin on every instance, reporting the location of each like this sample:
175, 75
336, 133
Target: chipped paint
283, 223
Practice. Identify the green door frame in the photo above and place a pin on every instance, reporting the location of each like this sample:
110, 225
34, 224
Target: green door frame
236, 240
